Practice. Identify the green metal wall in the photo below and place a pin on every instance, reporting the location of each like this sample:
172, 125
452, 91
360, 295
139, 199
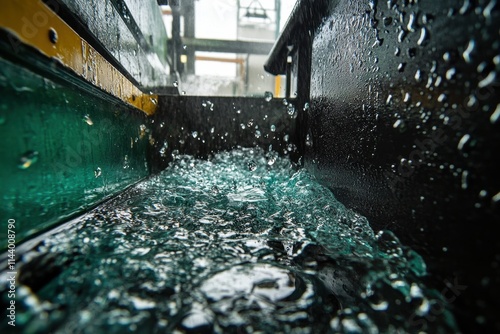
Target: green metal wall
75, 133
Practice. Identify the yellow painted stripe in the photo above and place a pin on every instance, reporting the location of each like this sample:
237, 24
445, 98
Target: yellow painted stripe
34, 23
277, 86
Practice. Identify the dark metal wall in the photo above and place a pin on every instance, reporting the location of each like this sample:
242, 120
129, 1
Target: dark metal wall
404, 127
129, 33
204, 125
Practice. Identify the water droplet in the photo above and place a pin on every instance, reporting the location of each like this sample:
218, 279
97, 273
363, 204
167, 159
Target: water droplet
212, 130
437, 83
163, 149
242, 126
418, 76
88, 120
286, 138
496, 198
389, 99
463, 141
488, 80
434, 66
451, 73
268, 96
467, 53
465, 7
306, 106
397, 124
401, 36
401, 67
496, 60
250, 123
271, 160
273, 128
28, 159
481, 67
176, 84
285, 102
142, 131
472, 101
442, 98
97, 172
424, 35
382, 306
252, 166
429, 82
257, 134
407, 97
126, 163
487, 10
184, 46
372, 4
290, 108
465, 175
194, 134
53, 36
309, 141
495, 115
411, 22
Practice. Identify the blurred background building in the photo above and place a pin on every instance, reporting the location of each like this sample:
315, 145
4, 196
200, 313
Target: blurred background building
218, 47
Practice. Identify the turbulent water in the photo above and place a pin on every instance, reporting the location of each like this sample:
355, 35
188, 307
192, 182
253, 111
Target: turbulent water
241, 243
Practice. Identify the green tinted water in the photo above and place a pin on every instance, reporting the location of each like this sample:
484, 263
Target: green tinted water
241, 243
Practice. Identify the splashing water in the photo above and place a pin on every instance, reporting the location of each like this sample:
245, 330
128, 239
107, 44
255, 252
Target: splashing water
268, 96
213, 246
